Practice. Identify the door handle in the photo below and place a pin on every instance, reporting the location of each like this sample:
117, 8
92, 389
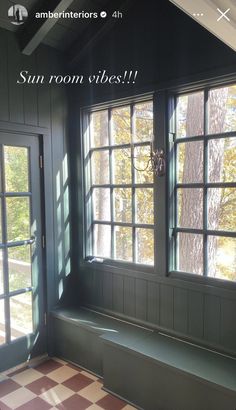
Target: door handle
31, 241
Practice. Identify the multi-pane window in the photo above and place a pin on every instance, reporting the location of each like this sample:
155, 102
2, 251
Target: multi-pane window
118, 189
205, 183
16, 300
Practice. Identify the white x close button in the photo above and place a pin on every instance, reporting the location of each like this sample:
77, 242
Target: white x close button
223, 14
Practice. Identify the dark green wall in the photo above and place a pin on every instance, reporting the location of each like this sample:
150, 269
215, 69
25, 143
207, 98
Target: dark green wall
162, 43
166, 47
42, 110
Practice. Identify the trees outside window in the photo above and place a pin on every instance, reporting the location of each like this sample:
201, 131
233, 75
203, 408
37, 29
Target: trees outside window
120, 214
119, 198
205, 188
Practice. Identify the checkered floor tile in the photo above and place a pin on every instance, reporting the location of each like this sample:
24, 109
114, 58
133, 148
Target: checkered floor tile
55, 384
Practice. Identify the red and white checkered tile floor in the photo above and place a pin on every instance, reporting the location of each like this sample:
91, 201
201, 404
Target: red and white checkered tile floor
55, 384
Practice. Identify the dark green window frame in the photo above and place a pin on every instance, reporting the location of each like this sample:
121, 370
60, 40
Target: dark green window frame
165, 188
205, 185
89, 221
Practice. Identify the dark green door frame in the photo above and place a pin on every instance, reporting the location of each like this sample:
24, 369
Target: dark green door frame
19, 348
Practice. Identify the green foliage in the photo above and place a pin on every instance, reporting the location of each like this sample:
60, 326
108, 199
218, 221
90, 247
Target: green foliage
16, 167
19, 267
16, 164
18, 219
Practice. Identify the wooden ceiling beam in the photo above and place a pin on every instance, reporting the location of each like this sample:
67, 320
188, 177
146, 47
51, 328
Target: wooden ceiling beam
33, 32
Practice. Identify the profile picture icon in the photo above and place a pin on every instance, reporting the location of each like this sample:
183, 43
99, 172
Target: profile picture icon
17, 14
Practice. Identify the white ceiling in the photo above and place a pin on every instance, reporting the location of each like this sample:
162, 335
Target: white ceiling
222, 28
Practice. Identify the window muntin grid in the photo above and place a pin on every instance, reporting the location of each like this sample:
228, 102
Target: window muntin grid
115, 228
205, 179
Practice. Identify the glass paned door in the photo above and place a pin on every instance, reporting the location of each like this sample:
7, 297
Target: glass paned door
22, 330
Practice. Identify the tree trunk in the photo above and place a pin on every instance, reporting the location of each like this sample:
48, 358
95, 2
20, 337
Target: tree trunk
191, 246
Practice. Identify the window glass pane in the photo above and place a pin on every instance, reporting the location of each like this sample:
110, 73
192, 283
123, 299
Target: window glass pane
122, 166
143, 121
190, 208
1, 273
101, 204
190, 162
123, 243
99, 128
123, 205
222, 257
145, 246
222, 209
2, 323
222, 107
144, 206
102, 240
142, 172
16, 169
18, 218
222, 160
111, 166
21, 315
120, 125
190, 253
19, 267
100, 167
190, 115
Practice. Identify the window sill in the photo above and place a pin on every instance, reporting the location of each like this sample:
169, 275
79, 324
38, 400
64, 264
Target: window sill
117, 266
